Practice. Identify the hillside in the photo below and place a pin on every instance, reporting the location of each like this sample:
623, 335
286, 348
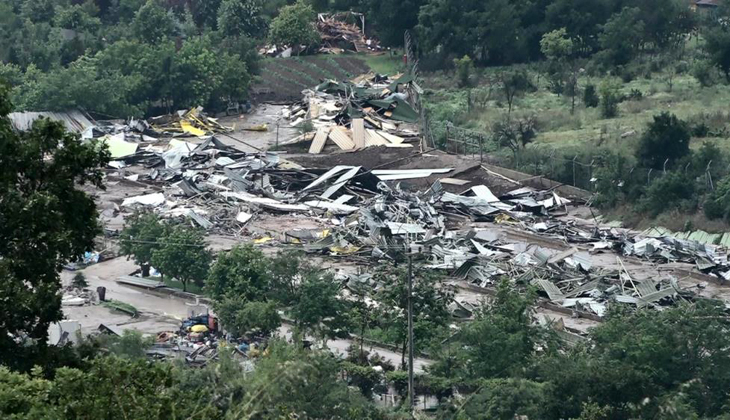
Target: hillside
283, 79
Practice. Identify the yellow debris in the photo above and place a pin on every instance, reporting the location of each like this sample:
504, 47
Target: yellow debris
199, 328
190, 129
263, 240
505, 219
262, 127
345, 250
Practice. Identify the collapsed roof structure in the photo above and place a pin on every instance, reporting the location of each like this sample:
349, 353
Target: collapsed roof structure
371, 110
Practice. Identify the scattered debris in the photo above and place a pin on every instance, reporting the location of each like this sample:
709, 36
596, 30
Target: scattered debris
370, 111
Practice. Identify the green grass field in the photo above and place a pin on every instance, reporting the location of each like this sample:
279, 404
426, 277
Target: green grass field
386, 63
558, 129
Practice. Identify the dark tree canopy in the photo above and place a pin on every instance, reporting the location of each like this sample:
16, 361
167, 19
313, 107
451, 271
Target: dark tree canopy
45, 222
667, 137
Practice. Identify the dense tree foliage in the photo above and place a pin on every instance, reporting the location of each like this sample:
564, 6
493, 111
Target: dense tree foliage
667, 138
128, 57
141, 237
295, 26
183, 255
429, 301
287, 383
45, 222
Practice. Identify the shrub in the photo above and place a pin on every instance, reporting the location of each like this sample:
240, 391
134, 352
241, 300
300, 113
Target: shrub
590, 97
464, 68
673, 191
717, 205
79, 281
610, 97
635, 95
703, 71
667, 138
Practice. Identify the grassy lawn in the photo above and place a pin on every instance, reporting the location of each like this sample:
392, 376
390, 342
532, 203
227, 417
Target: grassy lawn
385, 63
174, 284
558, 129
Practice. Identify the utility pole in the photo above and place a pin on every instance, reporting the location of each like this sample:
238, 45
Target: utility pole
411, 394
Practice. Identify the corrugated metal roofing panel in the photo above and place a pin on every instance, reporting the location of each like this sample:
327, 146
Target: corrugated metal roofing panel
75, 121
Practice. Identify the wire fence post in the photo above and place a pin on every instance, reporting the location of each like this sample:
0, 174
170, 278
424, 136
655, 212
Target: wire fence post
590, 172
448, 135
709, 176
481, 149
574, 158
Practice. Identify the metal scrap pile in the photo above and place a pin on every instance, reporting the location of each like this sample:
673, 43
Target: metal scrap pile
370, 111
191, 122
369, 216
189, 180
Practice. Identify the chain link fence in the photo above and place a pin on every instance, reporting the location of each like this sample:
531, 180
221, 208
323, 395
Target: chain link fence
579, 170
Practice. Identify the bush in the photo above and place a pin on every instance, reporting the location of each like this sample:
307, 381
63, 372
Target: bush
635, 95
704, 72
667, 138
673, 191
79, 281
590, 97
717, 205
610, 98
464, 68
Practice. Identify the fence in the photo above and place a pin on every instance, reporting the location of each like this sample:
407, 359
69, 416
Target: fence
467, 142
578, 170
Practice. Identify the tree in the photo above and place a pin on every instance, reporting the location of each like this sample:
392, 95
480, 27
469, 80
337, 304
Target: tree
590, 97
665, 22
205, 12
243, 272
717, 45
514, 83
209, 76
391, 19
515, 134
241, 17
558, 49
318, 310
295, 26
288, 268
295, 383
464, 68
152, 23
141, 236
183, 255
582, 20
486, 30
112, 388
240, 317
505, 399
622, 36
130, 345
430, 306
717, 204
610, 98
499, 341
674, 190
667, 137
79, 281
45, 222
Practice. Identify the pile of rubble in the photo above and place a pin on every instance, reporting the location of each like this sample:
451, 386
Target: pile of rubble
369, 215
338, 36
372, 110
